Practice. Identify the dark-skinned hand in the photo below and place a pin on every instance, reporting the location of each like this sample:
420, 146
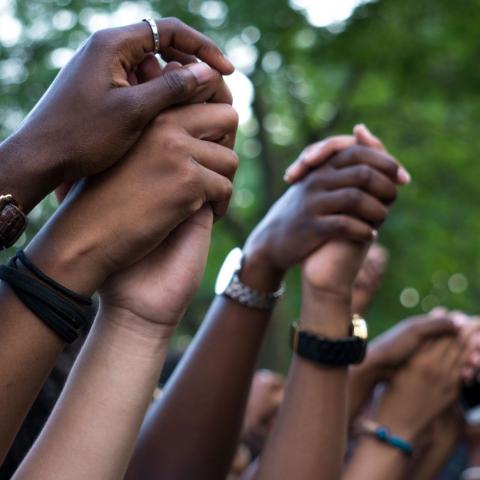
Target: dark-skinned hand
395, 347
347, 197
99, 104
423, 389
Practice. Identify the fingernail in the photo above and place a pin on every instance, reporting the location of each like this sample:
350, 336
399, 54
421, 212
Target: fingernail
201, 71
403, 176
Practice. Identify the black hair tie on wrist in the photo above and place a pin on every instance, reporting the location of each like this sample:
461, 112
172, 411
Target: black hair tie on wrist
49, 281
48, 300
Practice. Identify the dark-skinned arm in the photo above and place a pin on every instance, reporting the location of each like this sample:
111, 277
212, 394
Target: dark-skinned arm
417, 394
205, 398
200, 412
309, 437
75, 259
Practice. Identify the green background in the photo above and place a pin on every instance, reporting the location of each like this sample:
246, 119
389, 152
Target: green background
409, 69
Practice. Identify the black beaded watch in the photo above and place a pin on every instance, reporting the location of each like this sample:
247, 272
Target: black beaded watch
344, 351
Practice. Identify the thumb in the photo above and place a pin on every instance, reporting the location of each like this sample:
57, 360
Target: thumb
175, 85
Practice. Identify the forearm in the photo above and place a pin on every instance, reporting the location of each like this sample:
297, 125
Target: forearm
308, 440
27, 172
28, 352
192, 430
29, 348
362, 381
93, 427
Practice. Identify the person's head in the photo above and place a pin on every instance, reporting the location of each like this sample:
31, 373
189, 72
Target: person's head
369, 278
266, 395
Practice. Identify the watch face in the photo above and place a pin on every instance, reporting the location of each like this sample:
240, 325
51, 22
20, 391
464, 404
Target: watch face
230, 266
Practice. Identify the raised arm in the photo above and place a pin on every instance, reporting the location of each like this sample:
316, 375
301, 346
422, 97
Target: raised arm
308, 439
415, 397
80, 246
88, 119
99, 105
106, 396
205, 398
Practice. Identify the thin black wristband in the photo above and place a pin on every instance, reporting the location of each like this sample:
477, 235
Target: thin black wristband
74, 314
49, 281
28, 295
57, 312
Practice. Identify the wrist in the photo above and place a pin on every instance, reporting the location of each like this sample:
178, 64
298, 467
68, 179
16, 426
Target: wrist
70, 261
28, 172
130, 327
325, 314
405, 433
258, 272
408, 430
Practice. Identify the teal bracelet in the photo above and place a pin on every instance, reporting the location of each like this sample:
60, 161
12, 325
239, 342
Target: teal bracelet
383, 434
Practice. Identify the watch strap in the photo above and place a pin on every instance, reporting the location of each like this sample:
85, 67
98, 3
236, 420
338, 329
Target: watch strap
12, 221
336, 352
250, 298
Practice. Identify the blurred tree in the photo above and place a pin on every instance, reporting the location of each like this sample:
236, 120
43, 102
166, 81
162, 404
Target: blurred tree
408, 69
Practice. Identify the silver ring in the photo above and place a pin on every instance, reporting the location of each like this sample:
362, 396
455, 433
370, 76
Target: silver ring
156, 36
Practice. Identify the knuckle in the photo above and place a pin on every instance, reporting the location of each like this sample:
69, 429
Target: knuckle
232, 163
174, 22
227, 189
348, 156
230, 116
233, 118
101, 38
364, 174
339, 225
352, 197
171, 139
191, 184
175, 83
356, 152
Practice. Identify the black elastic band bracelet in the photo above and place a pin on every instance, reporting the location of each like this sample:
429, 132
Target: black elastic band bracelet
64, 317
49, 281
22, 281
28, 293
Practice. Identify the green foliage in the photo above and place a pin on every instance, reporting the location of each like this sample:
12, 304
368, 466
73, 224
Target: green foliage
408, 69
